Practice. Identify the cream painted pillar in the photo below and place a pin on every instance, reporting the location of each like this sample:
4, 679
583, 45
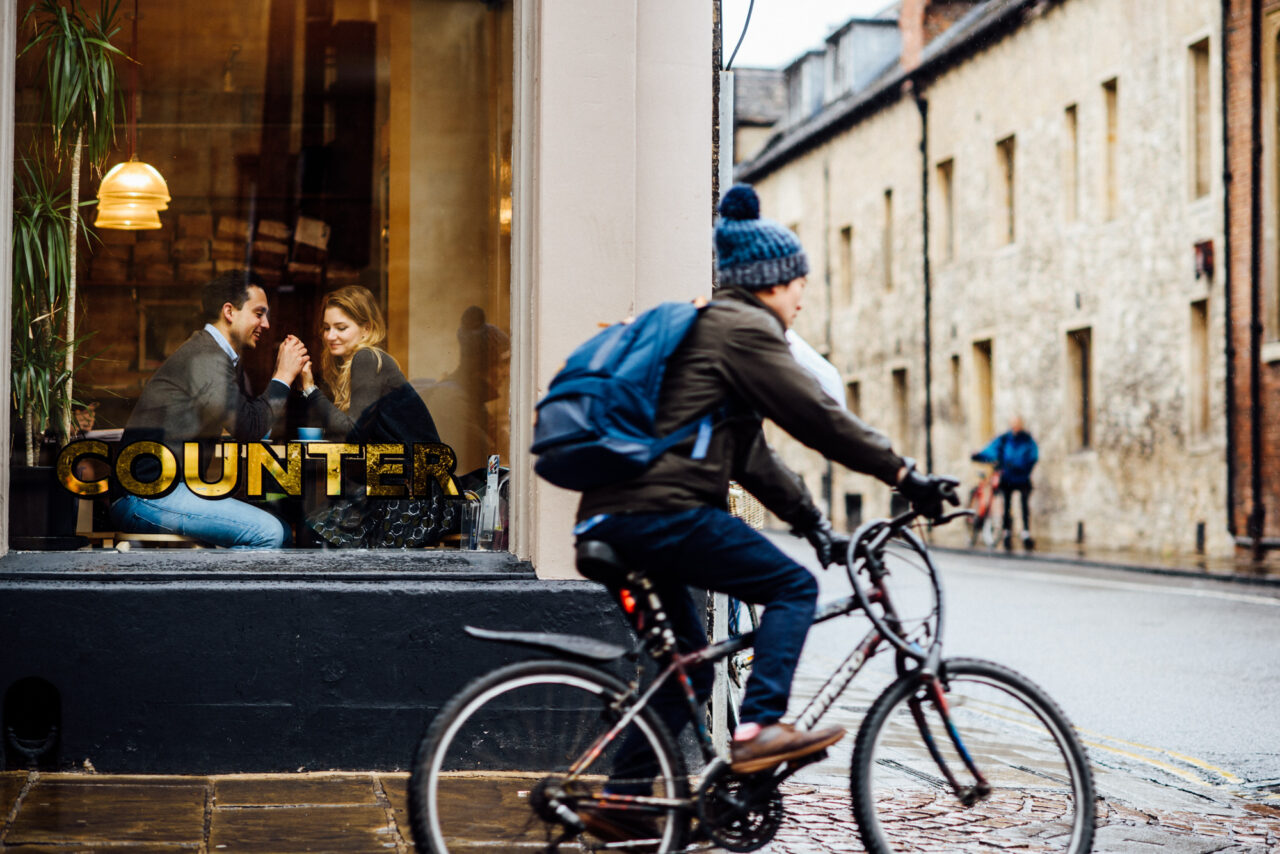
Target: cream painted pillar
612, 201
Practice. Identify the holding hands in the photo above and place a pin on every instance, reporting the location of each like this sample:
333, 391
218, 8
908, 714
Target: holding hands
291, 360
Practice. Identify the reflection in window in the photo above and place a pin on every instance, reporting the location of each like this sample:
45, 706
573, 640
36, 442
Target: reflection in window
356, 148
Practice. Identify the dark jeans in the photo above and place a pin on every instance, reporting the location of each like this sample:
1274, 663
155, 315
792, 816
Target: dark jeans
711, 549
1008, 489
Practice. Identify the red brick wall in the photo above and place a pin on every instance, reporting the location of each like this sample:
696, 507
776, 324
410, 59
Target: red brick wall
922, 21
941, 14
911, 25
1239, 84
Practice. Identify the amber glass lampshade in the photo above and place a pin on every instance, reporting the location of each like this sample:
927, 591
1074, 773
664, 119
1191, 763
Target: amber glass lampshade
127, 216
135, 183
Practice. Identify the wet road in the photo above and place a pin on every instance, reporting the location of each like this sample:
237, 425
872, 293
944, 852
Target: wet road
1174, 680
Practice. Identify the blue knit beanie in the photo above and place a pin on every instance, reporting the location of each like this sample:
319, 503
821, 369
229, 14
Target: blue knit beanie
752, 252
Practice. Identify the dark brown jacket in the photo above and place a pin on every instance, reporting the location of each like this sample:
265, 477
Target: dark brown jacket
737, 355
193, 397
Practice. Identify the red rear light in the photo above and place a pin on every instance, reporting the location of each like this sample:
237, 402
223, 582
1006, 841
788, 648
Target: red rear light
628, 601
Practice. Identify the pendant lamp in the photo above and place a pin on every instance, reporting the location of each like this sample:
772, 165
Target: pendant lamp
132, 193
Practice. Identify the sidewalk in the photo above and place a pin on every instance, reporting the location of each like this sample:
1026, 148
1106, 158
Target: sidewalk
1181, 565
365, 812
358, 812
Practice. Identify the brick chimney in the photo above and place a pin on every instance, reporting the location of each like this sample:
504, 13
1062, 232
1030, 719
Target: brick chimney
922, 21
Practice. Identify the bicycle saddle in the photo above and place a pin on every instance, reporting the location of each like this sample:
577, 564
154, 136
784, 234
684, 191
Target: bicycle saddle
598, 561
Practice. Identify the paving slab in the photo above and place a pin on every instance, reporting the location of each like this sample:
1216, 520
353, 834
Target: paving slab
290, 830
80, 848
299, 791
97, 810
396, 788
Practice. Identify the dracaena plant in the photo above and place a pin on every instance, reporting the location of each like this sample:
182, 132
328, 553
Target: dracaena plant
41, 280
82, 100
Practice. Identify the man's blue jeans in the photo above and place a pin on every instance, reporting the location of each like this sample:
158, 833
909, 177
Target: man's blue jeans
708, 548
221, 522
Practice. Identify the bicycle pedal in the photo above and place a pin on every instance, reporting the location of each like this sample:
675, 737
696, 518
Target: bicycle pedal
808, 760
786, 769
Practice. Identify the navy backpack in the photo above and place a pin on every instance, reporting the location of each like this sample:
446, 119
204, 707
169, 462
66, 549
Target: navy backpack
595, 425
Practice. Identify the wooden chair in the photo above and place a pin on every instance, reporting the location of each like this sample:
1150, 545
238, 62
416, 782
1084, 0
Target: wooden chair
107, 539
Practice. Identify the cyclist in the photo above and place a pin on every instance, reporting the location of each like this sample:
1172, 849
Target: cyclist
672, 520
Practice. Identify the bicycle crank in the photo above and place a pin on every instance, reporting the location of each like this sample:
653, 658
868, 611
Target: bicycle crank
740, 812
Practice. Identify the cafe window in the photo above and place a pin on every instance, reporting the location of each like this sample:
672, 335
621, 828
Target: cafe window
341, 169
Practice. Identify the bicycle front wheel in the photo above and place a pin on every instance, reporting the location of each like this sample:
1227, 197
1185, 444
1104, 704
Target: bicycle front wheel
990, 763
510, 762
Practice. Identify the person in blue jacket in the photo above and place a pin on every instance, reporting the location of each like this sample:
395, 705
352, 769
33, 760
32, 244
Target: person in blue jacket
1014, 454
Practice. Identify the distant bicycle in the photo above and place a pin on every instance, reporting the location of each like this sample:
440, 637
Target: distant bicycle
986, 524
559, 754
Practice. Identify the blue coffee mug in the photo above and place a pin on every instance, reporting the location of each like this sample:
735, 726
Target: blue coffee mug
310, 434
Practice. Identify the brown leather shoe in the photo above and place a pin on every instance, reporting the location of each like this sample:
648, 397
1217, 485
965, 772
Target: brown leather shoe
776, 743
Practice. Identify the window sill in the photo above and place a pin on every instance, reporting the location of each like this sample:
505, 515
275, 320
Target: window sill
309, 565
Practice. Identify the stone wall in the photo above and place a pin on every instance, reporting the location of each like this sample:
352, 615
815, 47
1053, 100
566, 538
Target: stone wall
1124, 270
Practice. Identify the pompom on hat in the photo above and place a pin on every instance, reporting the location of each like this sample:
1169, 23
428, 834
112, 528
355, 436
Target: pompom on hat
751, 251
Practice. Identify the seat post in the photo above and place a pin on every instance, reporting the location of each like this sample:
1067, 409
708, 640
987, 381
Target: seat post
659, 637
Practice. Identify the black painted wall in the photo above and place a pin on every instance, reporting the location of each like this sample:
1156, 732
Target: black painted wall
168, 662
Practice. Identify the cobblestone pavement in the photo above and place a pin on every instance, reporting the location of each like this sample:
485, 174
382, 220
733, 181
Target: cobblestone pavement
819, 821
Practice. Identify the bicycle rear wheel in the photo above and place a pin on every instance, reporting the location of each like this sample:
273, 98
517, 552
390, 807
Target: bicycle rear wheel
496, 770
1040, 796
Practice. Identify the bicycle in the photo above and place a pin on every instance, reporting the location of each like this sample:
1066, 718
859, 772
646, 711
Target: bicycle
527, 757
987, 503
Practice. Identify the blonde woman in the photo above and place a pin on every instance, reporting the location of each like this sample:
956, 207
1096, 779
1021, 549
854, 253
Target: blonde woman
371, 402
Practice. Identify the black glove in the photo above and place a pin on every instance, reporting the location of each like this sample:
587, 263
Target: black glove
927, 492
829, 545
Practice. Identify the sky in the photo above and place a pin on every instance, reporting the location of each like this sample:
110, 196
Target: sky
781, 30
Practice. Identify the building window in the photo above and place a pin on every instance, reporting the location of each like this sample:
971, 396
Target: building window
956, 399
852, 511
297, 159
1071, 165
854, 397
947, 222
846, 264
901, 411
983, 392
1201, 121
1110, 142
1199, 385
1080, 387
1005, 182
886, 240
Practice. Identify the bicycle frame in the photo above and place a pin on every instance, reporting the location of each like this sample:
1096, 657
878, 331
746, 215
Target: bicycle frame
865, 550
868, 546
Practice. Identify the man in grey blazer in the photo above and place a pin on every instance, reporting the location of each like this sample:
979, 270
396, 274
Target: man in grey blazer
194, 396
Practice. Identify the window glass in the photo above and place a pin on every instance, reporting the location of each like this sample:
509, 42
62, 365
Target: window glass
340, 170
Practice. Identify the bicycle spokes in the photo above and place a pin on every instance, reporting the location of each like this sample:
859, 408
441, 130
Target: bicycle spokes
988, 762
932, 695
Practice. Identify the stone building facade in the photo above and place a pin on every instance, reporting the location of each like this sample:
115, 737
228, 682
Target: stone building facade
1252, 269
1021, 220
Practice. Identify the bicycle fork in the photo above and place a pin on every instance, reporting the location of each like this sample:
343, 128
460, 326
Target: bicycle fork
934, 692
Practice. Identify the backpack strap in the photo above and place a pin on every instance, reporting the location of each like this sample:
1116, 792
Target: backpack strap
703, 426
